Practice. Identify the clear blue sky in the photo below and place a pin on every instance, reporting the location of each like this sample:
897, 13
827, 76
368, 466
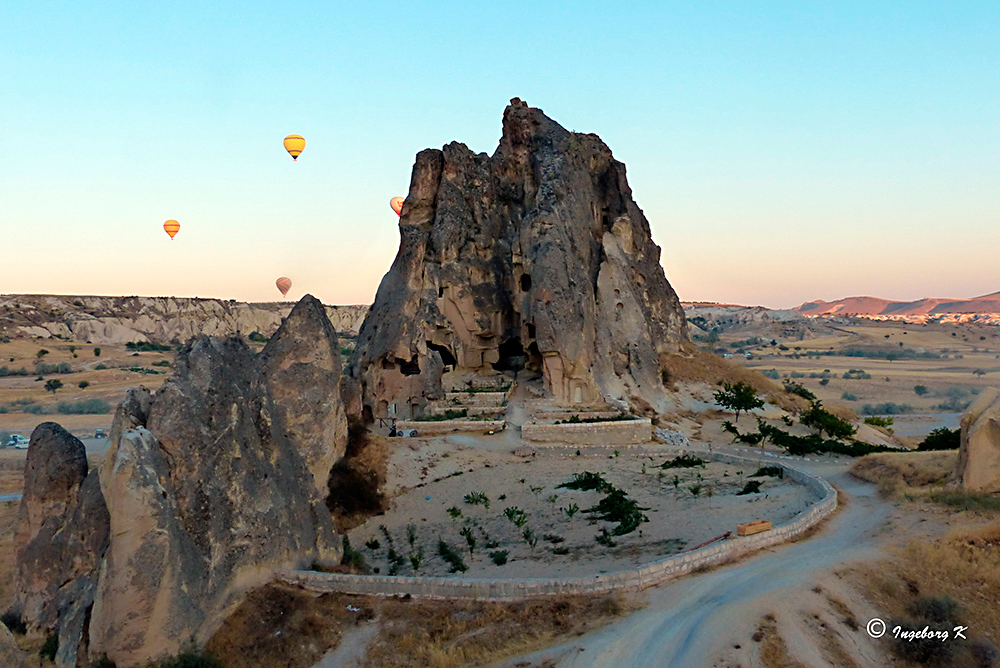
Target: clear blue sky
782, 152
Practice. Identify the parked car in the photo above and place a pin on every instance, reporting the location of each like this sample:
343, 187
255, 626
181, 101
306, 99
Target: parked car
18, 441
100, 434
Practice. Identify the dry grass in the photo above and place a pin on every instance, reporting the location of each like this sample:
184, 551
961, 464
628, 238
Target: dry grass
906, 473
965, 566
442, 634
696, 365
279, 626
773, 650
8, 525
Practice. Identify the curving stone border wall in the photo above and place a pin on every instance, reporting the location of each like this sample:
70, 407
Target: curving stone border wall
637, 579
445, 426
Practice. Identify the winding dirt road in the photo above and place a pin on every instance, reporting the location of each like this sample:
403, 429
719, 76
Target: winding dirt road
691, 622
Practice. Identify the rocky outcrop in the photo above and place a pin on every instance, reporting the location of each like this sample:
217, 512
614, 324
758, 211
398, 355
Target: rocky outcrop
301, 366
533, 257
979, 454
62, 536
209, 486
10, 655
110, 320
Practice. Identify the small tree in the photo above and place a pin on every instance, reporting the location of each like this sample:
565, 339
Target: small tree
738, 397
41, 353
52, 385
83, 384
97, 352
920, 390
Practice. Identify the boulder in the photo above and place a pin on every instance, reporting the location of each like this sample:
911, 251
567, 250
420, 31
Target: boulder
535, 257
62, 536
979, 454
208, 494
301, 366
10, 655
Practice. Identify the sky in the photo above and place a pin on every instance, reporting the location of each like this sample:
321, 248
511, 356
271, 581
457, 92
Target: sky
782, 151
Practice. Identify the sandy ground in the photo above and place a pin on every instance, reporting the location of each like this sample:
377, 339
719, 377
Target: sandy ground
465, 464
708, 619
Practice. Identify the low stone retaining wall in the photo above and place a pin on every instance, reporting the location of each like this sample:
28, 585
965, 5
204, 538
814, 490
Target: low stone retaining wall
621, 432
477, 398
445, 426
630, 580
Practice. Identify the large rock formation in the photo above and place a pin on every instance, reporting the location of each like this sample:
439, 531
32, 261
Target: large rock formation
301, 365
979, 455
100, 320
209, 488
10, 655
62, 535
535, 256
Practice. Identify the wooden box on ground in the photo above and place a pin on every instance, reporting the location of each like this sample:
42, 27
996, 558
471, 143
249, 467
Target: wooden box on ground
750, 528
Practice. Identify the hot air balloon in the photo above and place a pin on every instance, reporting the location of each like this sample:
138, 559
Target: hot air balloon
397, 204
284, 284
171, 227
295, 144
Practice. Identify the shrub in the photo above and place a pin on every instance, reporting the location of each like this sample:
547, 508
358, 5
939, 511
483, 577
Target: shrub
920, 390
942, 439
453, 558
886, 408
93, 406
353, 558
454, 512
796, 388
97, 352
571, 510
146, 346
257, 337
771, 373
857, 374
884, 422
604, 538
738, 397
161, 363
83, 384
587, 481
847, 396
617, 507
516, 515
752, 487
478, 498
499, 557
450, 414
770, 471
683, 462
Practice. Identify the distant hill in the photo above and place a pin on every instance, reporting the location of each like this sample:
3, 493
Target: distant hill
874, 306
107, 320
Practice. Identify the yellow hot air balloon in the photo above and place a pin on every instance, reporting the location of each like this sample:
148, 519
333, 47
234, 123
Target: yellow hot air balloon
171, 227
397, 204
295, 144
284, 284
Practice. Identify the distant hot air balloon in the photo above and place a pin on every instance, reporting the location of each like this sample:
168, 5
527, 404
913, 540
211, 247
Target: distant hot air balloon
171, 227
397, 204
284, 284
295, 144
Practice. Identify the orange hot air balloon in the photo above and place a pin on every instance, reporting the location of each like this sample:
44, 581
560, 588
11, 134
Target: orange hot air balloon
171, 227
397, 204
295, 144
284, 284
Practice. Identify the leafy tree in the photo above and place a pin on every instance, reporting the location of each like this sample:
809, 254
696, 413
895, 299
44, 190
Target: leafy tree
738, 397
41, 353
97, 352
920, 390
942, 439
823, 420
52, 385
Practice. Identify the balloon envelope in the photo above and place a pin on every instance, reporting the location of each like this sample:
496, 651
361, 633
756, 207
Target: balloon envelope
397, 204
171, 227
284, 284
295, 144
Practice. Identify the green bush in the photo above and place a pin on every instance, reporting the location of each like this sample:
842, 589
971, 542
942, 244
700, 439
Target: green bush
886, 408
453, 558
617, 507
942, 439
769, 471
587, 481
145, 347
450, 414
257, 337
83, 407
683, 462
822, 420
499, 557
884, 422
751, 487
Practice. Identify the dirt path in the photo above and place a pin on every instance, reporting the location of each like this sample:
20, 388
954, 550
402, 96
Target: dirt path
351, 650
693, 621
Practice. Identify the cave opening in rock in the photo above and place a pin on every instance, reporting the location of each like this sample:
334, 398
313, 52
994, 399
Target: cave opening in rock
525, 282
411, 368
512, 355
447, 357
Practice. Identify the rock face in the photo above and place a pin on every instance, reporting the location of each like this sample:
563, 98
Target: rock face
301, 365
163, 319
10, 655
534, 257
209, 487
62, 536
979, 455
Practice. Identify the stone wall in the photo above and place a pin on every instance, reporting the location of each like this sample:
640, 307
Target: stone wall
621, 432
630, 580
445, 426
